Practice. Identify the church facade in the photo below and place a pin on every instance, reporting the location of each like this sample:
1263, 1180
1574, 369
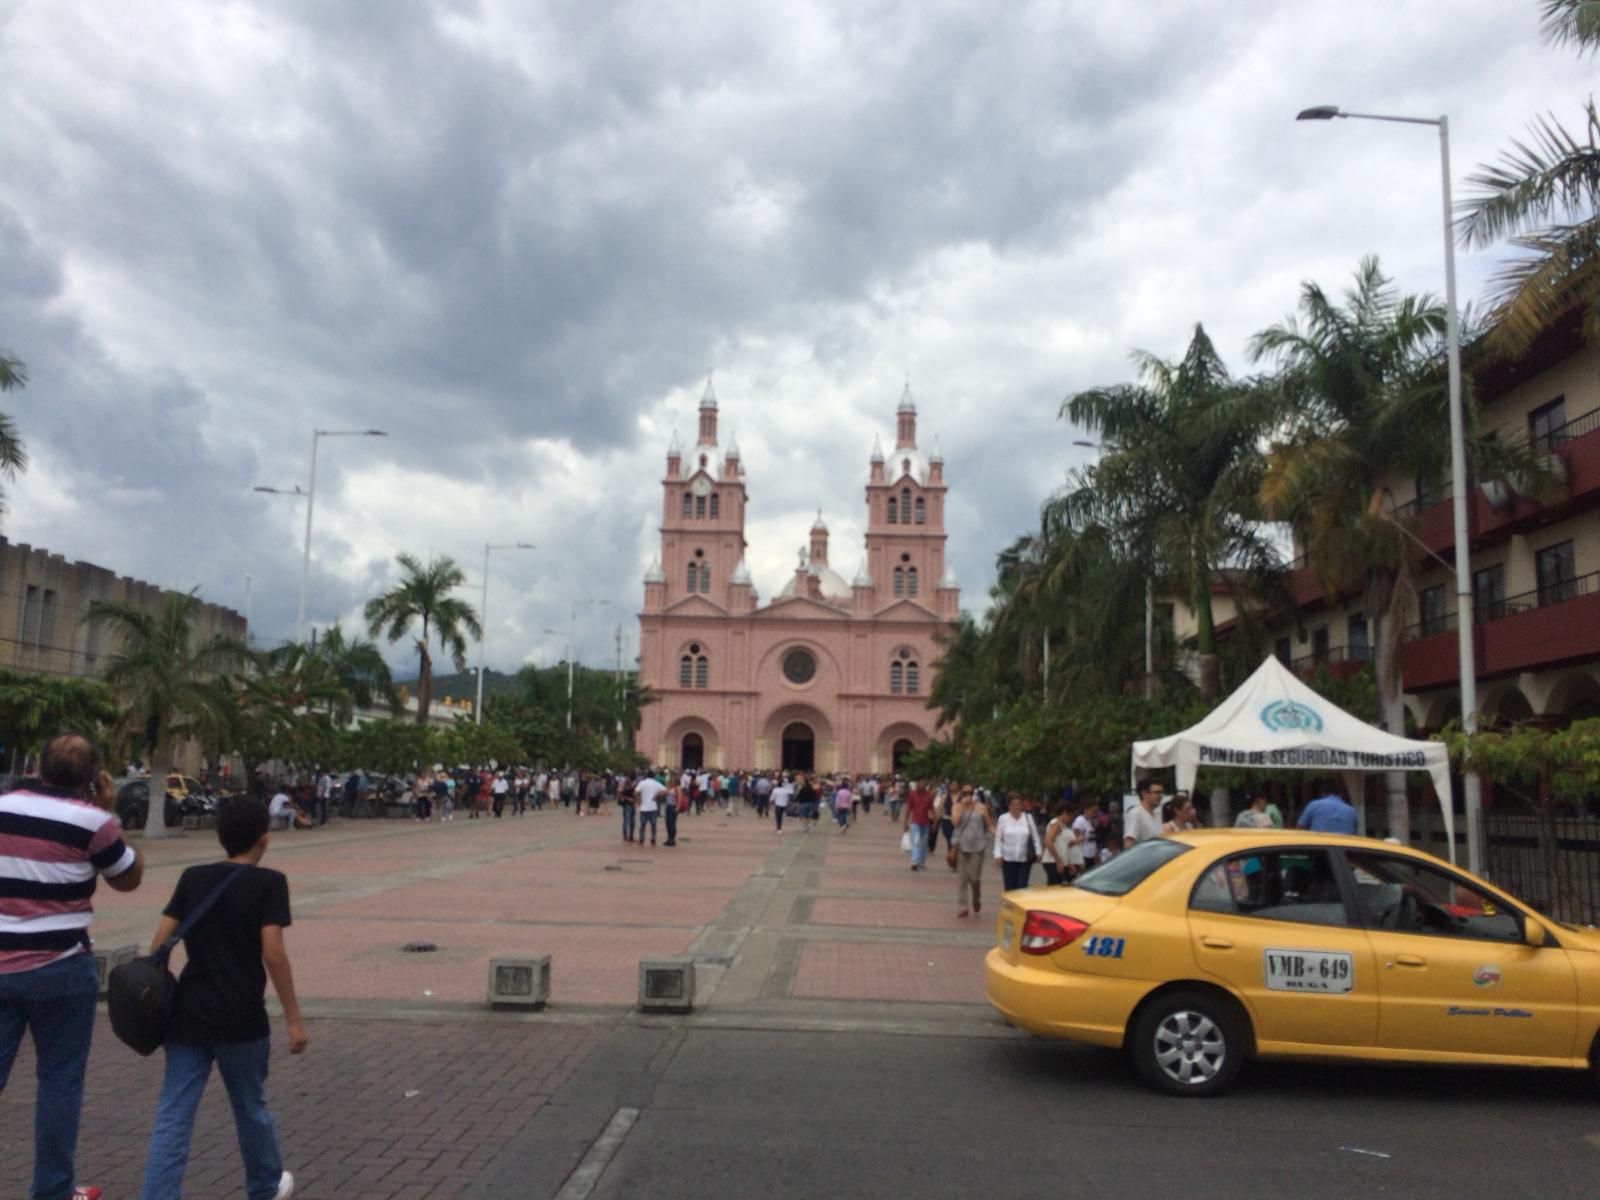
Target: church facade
828, 675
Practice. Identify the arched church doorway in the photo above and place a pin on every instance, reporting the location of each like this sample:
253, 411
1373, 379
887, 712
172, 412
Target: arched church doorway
799, 747
898, 754
692, 755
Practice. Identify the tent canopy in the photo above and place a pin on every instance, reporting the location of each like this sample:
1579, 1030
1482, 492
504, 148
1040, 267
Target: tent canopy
1274, 722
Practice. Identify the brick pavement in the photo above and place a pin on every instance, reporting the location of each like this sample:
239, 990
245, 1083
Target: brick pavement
853, 928
346, 1124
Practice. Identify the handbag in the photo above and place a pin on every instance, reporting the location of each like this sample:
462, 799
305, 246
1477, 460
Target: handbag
950, 854
139, 994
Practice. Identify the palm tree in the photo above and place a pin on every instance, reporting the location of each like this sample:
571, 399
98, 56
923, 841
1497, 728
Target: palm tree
1364, 403
423, 594
1176, 487
13, 457
356, 668
170, 684
1544, 195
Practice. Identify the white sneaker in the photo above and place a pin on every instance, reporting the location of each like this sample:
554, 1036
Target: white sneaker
285, 1187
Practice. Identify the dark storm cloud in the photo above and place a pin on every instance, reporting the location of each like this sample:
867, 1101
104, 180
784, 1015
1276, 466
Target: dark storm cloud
517, 237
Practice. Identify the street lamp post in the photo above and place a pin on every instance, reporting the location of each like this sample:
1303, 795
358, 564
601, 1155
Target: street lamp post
310, 495
1149, 597
483, 620
1467, 666
572, 632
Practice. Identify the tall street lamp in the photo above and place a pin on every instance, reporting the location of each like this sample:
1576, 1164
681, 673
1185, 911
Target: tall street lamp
1149, 595
572, 631
483, 619
311, 500
1467, 665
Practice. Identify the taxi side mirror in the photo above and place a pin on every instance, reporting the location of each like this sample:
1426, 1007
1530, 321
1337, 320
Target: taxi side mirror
1534, 934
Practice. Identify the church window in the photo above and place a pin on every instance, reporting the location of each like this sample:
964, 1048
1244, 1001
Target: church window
896, 678
701, 671
922, 512
899, 582
716, 504
700, 507
688, 505
685, 670
694, 577
894, 511
911, 679
905, 506
705, 577
911, 581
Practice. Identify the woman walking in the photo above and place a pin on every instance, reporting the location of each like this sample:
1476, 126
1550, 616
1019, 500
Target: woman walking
842, 801
972, 827
1016, 845
1062, 842
806, 801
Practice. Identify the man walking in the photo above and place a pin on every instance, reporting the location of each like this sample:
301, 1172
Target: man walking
500, 788
218, 1014
324, 797
918, 818
57, 836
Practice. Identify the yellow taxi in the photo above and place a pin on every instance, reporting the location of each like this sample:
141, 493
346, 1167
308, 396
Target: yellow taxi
1195, 951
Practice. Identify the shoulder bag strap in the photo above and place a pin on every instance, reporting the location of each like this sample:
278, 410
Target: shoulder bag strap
198, 911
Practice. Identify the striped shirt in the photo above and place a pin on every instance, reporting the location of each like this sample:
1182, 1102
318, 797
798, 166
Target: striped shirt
52, 846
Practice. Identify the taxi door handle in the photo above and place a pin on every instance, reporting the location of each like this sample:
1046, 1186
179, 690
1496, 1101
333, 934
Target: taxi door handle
1216, 943
1409, 960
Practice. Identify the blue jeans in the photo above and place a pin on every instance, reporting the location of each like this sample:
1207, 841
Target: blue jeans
243, 1067
57, 1003
647, 820
919, 844
627, 822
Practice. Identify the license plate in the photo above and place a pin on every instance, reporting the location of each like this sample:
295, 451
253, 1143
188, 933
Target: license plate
1322, 971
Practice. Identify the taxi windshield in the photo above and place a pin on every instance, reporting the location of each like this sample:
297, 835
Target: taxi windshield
1131, 868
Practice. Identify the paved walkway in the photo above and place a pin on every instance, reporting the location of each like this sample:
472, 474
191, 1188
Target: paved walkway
412, 1085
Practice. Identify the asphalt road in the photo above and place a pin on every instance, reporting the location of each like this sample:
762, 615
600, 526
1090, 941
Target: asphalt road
733, 1113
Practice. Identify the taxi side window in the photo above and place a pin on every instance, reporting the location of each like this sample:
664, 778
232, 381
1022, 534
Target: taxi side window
1279, 885
1412, 897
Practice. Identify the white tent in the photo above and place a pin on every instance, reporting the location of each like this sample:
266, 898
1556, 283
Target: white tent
1274, 722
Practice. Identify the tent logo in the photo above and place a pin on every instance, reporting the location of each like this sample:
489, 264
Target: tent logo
1289, 716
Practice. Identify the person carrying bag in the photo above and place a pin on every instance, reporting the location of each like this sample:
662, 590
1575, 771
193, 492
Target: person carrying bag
139, 994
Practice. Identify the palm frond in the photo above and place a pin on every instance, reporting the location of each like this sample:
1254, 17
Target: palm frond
1574, 23
1551, 176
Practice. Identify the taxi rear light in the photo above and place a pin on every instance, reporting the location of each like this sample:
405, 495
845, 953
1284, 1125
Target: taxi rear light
1045, 933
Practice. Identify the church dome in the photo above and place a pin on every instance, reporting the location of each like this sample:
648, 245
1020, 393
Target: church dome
834, 585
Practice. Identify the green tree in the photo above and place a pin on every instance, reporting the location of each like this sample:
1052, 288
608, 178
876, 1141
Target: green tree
1364, 403
36, 707
1176, 487
1543, 195
171, 683
13, 456
424, 595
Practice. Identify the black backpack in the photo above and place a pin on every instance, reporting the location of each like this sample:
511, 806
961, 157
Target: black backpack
139, 994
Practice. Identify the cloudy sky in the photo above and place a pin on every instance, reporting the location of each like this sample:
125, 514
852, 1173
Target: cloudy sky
518, 236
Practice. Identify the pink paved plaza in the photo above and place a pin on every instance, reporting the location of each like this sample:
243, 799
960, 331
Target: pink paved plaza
412, 1085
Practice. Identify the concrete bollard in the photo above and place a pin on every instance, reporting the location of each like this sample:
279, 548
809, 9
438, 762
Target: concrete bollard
666, 985
519, 982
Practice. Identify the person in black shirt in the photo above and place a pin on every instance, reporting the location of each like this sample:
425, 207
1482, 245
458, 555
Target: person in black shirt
219, 1013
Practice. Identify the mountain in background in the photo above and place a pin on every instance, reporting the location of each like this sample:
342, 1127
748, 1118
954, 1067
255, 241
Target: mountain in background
463, 685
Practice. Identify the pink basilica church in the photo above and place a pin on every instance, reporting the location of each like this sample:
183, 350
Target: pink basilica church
830, 675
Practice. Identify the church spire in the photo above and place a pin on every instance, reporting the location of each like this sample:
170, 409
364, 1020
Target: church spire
906, 421
708, 415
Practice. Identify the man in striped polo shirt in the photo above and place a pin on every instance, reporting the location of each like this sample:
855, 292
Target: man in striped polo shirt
56, 836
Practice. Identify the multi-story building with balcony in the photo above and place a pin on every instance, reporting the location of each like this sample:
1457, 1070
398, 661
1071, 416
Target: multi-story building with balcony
1535, 565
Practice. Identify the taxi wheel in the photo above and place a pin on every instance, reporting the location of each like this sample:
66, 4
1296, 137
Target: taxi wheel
1187, 1044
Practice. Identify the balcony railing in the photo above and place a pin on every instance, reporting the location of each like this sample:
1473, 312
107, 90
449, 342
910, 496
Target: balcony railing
1552, 440
1511, 606
1333, 654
